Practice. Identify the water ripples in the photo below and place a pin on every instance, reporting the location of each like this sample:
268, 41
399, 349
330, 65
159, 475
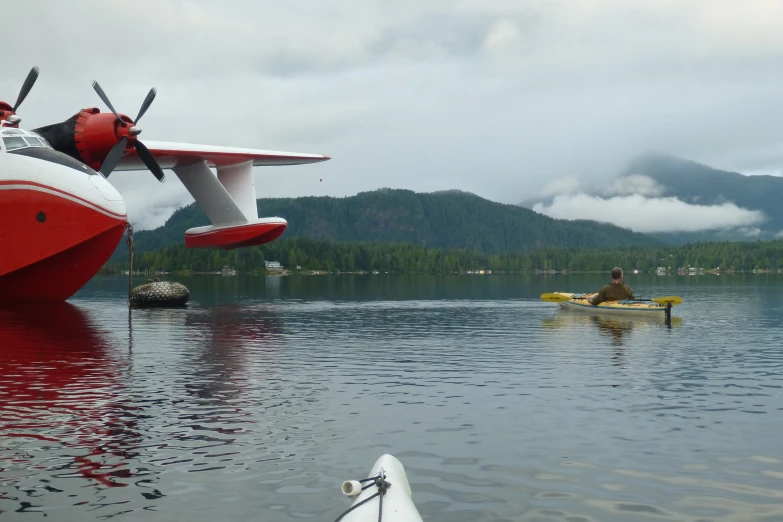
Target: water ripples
500, 409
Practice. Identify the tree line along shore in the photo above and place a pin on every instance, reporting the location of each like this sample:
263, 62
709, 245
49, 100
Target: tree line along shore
301, 254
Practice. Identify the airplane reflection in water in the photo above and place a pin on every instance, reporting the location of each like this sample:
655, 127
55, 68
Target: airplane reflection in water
78, 401
59, 383
218, 355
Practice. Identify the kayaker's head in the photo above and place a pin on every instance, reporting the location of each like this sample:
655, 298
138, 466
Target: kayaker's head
617, 275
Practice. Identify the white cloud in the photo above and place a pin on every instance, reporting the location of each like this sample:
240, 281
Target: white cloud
148, 201
502, 36
635, 184
566, 185
777, 172
642, 214
621, 186
750, 231
492, 96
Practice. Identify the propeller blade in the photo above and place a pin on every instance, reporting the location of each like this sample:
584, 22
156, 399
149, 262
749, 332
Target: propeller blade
149, 160
105, 98
113, 157
26, 86
146, 104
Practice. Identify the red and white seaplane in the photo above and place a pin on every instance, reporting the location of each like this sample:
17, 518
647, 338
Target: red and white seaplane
60, 218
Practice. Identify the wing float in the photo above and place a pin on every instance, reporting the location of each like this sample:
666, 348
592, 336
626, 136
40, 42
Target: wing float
228, 198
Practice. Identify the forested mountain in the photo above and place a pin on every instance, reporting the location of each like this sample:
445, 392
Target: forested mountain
449, 219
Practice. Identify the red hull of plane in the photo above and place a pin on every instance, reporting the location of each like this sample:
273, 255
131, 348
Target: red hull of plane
54, 244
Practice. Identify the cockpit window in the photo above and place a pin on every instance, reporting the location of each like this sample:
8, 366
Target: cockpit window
53, 156
14, 142
17, 140
33, 141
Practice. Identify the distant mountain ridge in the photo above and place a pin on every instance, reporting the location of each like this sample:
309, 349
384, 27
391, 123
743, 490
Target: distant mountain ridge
698, 184
446, 219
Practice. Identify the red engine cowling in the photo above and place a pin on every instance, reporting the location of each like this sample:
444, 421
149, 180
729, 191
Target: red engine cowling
100, 139
6, 111
8, 116
89, 135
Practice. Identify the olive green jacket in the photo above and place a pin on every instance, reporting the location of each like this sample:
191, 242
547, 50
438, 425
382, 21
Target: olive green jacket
613, 292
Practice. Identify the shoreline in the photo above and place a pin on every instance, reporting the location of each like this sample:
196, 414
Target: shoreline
310, 273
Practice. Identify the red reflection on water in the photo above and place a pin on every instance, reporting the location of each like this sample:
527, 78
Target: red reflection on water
58, 384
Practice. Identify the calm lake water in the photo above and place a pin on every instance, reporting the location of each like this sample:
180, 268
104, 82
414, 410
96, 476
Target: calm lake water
257, 400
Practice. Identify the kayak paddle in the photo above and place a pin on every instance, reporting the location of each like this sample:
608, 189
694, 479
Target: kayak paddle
555, 298
559, 298
673, 299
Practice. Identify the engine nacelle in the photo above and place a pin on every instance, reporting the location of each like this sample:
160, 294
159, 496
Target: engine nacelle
7, 115
89, 135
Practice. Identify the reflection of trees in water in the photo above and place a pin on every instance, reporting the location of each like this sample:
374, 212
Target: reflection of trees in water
61, 385
231, 322
240, 392
227, 343
229, 332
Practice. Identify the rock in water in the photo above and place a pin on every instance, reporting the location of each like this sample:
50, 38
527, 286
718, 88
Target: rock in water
159, 293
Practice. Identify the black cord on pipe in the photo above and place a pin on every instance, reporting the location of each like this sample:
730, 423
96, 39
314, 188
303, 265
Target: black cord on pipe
383, 487
357, 505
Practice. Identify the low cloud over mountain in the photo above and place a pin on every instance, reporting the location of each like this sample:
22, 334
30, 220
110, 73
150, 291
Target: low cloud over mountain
673, 199
636, 202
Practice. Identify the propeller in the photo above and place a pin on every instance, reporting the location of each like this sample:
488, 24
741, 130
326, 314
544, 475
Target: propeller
129, 135
27, 86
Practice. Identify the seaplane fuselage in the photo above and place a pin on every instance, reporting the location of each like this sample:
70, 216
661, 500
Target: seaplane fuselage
59, 219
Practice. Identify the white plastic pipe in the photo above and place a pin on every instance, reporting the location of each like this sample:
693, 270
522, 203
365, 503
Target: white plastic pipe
351, 488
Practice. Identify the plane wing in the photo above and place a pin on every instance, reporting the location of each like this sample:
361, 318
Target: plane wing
171, 155
227, 197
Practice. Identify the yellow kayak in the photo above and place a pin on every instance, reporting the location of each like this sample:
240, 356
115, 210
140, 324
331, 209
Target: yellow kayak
631, 308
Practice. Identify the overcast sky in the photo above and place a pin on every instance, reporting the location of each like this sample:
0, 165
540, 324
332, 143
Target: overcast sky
496, 97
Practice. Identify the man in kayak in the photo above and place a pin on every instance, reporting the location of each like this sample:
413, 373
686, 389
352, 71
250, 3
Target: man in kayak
614, 291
